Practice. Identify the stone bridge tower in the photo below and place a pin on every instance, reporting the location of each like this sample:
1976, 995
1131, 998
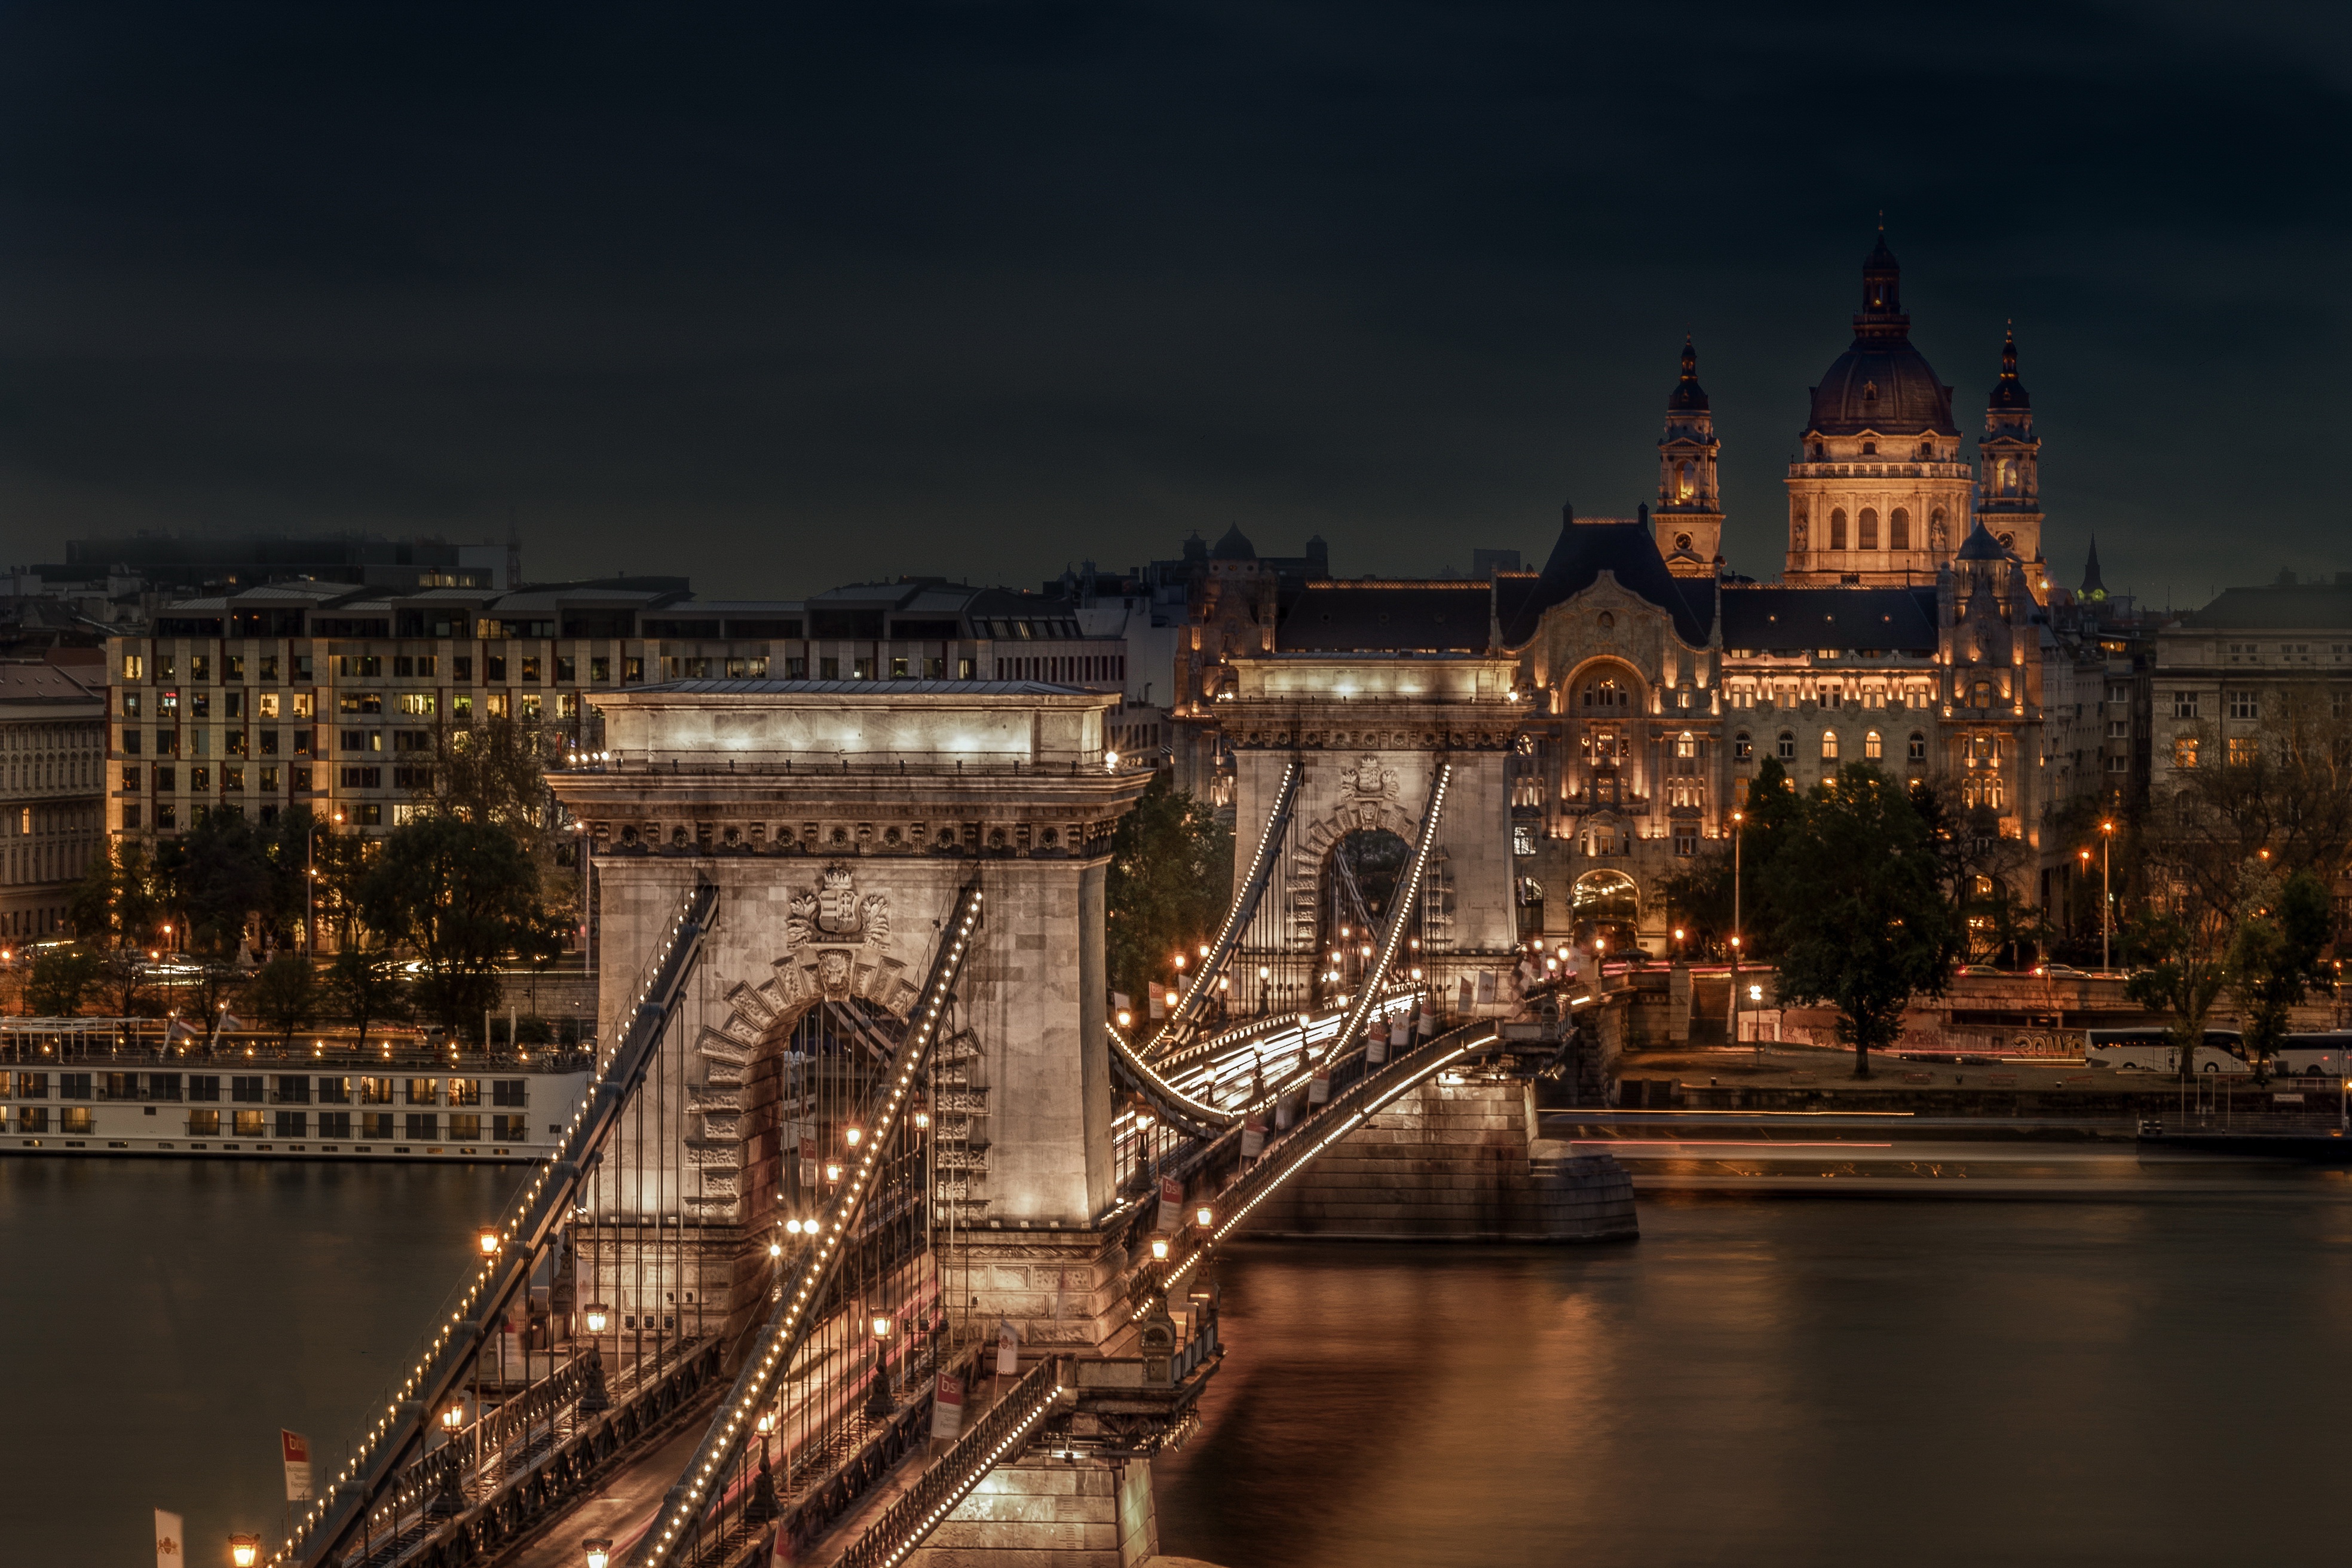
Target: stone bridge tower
839, 826
1370, 731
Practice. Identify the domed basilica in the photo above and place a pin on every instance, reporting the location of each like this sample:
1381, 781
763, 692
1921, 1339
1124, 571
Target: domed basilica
1906, 629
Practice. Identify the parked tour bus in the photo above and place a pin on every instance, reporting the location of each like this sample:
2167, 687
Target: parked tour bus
2324, 1055
2151, 1050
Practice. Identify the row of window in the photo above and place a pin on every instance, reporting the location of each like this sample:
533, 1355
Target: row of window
564, 669
423, 1127
267, 742
266, 778
1874, 747
1898, 528
254, 1089
2242, 750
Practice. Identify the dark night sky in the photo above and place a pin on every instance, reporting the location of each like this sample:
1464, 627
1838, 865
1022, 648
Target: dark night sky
783, 297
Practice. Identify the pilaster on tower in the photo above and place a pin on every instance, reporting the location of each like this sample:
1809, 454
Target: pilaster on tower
2008, 501
1688, 516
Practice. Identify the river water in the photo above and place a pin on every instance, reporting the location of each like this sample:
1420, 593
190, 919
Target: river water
164, 1319
2140, 1378
1915, 1381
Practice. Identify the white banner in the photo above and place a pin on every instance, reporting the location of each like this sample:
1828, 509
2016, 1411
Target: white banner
1008, 1348
297, 1451
1318, 1088
947, 1407
1171, 1203
171, 1540
1253, 1137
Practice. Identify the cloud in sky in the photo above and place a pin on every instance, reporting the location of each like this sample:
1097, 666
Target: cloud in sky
781, 298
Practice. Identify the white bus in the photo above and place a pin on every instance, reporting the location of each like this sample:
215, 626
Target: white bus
2152, 1050
2326, 1054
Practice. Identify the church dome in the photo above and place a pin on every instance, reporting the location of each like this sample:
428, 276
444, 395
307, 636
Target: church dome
1233, 546
1882, 384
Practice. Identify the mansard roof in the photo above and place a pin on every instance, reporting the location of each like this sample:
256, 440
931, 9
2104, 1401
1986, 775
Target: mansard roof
1764, 617
1375, 617
2278, 606
1628, 552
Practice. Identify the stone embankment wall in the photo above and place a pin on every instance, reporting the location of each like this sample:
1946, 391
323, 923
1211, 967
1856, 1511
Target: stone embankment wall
1046, 1513
1453, 1163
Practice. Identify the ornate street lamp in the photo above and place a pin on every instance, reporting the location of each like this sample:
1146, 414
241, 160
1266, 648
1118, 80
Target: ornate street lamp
599, 1551
244, 1550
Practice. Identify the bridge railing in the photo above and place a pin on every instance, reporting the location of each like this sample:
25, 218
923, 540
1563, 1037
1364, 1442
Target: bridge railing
1252, 886
695, 1508
476, 1318
999, 1434
1358, 1093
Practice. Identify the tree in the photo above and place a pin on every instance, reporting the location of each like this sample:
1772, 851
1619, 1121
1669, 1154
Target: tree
2274, 955
286, 993
62, 978
365, 986
1861, 918
1703, 896
460, 894
216, 875
2241, 812
539, 943
1171, 882
2184, 947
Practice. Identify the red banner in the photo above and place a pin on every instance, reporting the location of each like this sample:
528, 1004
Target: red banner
296, 1450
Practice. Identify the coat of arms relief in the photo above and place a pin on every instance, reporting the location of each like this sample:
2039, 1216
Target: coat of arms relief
1367, 777
835, 921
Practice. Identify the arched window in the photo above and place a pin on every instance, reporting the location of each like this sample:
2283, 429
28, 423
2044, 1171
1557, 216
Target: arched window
1604, 693
1742, 748
2009, 475
1899, 530
1787, 745
1829, 745
1869, 529
1870, 749
1686, 483
1837, 529
1918, 747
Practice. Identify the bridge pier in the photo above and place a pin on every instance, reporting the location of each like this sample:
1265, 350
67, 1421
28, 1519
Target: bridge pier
1454, 1162
1044, 1513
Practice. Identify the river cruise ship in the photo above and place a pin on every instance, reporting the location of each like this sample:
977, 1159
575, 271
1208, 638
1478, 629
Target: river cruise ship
98, 1086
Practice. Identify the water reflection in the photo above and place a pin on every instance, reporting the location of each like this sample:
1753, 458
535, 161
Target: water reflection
165, 1317
1855, 1381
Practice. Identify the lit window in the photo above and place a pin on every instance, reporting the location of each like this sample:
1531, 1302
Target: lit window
1829, 745
1871, 748
2184, 751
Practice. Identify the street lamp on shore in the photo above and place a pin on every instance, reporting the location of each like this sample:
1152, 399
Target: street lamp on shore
2107, 905
244, 1550
599, 1551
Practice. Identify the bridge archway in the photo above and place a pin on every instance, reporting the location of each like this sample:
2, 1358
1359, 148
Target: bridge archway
1605, 904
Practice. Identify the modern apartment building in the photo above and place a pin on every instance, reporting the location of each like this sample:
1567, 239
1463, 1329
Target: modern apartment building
326, 695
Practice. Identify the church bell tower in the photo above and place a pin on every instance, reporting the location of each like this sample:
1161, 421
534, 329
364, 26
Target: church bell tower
1688, 516
2009, 491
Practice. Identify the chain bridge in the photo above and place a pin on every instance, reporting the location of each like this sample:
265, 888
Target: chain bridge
875, 1241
